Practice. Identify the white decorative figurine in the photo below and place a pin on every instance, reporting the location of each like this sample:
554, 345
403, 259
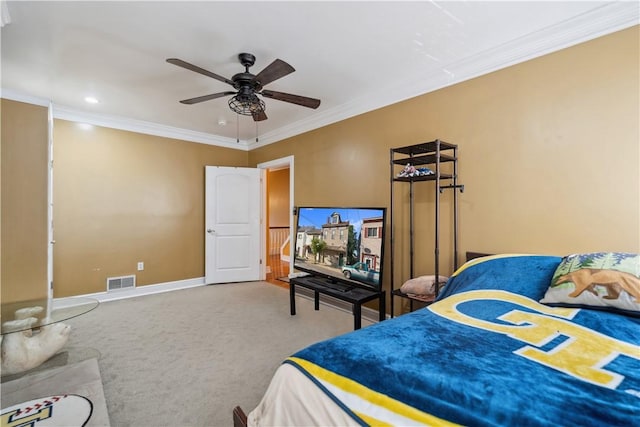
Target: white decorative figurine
25, 313
28, 349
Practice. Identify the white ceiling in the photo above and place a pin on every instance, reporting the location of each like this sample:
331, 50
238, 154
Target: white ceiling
354, 56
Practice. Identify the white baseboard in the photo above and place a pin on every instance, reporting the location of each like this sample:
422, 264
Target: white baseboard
367, 313
146, 290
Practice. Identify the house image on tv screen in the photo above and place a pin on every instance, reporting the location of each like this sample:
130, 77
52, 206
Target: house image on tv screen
304, 239
371, 242
328, 245
336, 233
344, 243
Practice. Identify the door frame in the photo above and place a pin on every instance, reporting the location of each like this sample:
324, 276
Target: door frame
50, 238
276, 164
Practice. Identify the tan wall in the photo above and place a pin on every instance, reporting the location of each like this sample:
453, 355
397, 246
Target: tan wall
24, 201
278, 198
549, 155
122, 197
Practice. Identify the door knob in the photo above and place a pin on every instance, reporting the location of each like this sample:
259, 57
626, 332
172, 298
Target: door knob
210, 231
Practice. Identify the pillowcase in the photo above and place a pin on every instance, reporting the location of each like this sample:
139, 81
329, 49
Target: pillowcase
601, 280
422, 285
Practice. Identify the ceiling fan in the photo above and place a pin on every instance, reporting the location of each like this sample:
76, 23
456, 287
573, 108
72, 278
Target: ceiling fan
248, 86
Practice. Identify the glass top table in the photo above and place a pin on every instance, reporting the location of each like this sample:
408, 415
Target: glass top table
44, 311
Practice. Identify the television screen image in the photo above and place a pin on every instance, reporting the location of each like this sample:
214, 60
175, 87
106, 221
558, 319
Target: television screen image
341, 244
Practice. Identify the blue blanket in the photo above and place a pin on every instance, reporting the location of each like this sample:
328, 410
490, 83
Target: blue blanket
486, 353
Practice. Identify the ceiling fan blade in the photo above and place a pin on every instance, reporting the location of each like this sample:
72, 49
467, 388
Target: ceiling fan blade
294, 99
206, 97
259, 116
274, 71
183, 64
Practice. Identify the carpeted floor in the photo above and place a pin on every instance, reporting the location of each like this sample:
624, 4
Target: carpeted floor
186, 358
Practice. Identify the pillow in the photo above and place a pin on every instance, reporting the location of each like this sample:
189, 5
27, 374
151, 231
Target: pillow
422, 285
522, 274
601, 280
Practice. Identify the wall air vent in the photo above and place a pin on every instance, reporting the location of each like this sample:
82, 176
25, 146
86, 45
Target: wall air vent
122, 282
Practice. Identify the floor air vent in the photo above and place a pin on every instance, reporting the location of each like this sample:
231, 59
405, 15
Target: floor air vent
122, 282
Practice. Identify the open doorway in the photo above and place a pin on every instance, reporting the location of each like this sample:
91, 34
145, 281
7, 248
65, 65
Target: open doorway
277, 212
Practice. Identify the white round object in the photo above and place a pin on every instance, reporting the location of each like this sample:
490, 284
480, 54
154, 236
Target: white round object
68, 410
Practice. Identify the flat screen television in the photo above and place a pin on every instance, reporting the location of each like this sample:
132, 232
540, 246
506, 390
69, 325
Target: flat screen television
341, 245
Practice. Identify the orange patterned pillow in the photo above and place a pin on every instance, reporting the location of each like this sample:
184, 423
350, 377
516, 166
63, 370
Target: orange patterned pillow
604, 280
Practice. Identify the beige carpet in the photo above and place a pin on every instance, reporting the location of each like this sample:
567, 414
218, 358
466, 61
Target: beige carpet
74, 393
186, 358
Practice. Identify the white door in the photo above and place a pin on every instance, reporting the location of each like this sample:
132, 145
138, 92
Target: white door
232, 224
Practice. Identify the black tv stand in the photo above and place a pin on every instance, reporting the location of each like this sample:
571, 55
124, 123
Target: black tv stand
341, 291
332, 284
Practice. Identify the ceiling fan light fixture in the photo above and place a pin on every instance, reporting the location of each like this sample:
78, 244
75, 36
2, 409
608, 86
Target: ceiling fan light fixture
247, 105
245, 101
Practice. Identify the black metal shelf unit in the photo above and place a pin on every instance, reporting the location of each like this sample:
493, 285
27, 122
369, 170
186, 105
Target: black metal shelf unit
434, 154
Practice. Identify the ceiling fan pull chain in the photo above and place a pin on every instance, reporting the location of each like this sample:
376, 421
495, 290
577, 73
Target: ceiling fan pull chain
256, 131
238, 128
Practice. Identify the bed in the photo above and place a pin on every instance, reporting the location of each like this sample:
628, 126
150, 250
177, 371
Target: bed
487, 352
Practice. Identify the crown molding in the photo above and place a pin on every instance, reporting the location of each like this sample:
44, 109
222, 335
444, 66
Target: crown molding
149, 128
127, 124
22, 97
607, 19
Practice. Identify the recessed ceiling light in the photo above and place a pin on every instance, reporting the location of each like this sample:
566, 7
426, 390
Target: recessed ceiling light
91, 99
